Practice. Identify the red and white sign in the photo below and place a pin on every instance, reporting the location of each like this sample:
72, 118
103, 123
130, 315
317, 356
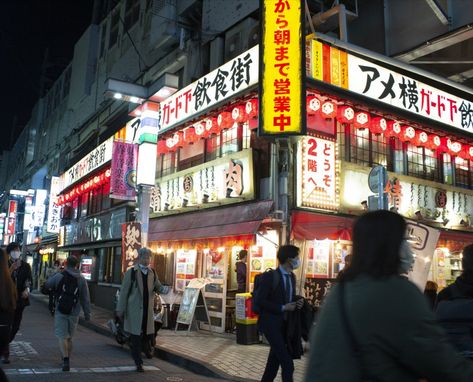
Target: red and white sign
54, 209
12, 209
317, 183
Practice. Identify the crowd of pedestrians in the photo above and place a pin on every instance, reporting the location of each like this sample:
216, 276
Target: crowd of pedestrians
374, 325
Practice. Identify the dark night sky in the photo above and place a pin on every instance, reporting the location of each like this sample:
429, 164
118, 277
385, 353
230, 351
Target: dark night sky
29, 29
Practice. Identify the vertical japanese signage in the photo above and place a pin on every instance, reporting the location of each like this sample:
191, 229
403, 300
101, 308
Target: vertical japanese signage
123, 178
39, 207
131, 243
282, 68
54, 210
12, 209
317, 174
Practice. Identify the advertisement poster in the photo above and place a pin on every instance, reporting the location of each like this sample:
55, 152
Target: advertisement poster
123, 177
318, 259
86, 267
185, 267
131, 243
188, 305
215, 264
12, 207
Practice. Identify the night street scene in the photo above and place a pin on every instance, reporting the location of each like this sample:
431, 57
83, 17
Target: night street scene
236, 190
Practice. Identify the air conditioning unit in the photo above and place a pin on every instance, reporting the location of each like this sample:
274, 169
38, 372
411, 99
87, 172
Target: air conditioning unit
241, 38
164, 30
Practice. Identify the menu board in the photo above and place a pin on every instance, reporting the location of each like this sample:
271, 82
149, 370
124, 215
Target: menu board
185, 267
318, 259
86, 265
215, 264
261, 259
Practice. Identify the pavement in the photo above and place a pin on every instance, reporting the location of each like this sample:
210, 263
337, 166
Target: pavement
210, 355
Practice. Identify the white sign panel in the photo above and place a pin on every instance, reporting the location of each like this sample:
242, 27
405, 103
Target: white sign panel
93, 160
317, 174
39, 207
406, 93
54, 210
220, 84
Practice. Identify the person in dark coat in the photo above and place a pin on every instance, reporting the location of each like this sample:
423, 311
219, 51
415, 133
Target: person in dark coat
275, 307
21, 274
374, 324
241, 270
7, 304
454, 308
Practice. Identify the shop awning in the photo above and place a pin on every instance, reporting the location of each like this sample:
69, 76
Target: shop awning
312, 225
456, 236
242, 219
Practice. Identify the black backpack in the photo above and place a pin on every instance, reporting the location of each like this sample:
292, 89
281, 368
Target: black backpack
67, 293
256, 295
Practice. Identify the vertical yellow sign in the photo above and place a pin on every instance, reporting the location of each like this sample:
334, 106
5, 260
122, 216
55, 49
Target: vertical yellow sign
318, 60
282, 68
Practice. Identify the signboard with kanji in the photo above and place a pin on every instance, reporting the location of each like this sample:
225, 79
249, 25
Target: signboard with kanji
54, 211
131, 243
317, 174
282, 68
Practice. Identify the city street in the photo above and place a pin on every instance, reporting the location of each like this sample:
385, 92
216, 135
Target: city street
35, 356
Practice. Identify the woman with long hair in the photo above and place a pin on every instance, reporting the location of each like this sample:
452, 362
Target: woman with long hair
7, 302
375, 325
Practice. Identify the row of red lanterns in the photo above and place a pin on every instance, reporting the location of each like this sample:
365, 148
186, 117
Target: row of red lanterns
91, 184
210, 126
378, 125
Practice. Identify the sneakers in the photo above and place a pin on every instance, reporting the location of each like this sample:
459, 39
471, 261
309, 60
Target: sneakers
65, 366
139, 368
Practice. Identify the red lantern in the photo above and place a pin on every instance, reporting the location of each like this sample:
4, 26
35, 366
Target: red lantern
394, 129
421, 139
239, 114
175, 142
362, 120
452, 147
162, 147
225, 120
199, 130
408, 133
345, 114
313, 105
211, 127
434, 142
378, 125
108, 173
251, 108
329, 109
465, 152
189, 135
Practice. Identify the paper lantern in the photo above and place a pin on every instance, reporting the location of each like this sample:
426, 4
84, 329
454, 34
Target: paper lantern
225, 120
408, 133
362, 120
176, 141
329, 109
345, 114
452, 147
251, 108
421, 139
434, 142
199, 130
378, 125
211, 127
394, 129
313, 105
465, 152
239, 114
189, 135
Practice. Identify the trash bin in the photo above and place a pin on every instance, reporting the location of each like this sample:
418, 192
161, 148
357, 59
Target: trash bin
246, 331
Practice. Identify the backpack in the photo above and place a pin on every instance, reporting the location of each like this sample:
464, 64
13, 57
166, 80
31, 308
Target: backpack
256, 295
68, 293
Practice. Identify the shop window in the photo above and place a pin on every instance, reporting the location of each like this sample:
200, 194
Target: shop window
462, 173
212, 148
166, 164
360, 146
132, 12
415, 161
230, 139
341, 140
246, 139
431, 165
113, 38
397, 156
447, 169
379, 150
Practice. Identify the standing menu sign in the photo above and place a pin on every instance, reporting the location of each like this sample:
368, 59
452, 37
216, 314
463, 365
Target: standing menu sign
192, 306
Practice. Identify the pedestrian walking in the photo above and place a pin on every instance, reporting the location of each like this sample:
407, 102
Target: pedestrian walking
72, 293
376, 325
275, 298
7, 304
241, 269
136, 306
454, 308
20, 272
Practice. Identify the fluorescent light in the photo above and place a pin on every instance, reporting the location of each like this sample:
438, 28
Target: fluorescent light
117, 96
134, 99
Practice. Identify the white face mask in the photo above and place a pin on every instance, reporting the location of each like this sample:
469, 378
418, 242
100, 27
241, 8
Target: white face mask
295, 263
143, 268
406, 256
15, 255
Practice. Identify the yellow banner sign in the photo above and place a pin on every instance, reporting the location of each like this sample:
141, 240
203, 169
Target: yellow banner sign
282, 68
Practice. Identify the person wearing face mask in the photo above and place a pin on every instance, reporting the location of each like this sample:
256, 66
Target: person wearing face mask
136, 306
277, 301
21, 274
375, 325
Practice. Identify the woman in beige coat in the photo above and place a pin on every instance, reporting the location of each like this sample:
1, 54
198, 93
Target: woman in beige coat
136, 303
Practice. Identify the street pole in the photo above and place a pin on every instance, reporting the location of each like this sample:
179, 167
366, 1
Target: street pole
144, 199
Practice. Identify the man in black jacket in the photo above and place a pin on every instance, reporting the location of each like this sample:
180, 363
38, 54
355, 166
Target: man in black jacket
21, 274
277, 299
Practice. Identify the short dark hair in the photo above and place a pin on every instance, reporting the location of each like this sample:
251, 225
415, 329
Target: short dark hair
12, 246
467, 259
57, 263
72, 262
242, 254
377, 238
286, 252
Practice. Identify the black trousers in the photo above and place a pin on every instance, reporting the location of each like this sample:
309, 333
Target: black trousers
278, 356
15, 326
139, 344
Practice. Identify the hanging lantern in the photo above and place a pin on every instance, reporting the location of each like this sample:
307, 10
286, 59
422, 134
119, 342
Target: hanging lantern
162, 148
394, 129
345, 114
434, 142
313, 105
225, 120
251, 108
211, 127
362, 120
421, 139
378, 125
199, 130
465, 152
189, 135
175, 142
408, 133
452, 147
329, 109
239, 114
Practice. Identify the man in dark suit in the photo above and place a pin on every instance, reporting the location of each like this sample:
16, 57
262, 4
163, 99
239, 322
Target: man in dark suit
278, 299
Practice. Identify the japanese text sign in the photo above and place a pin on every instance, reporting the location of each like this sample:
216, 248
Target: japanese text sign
123, 178
371, 80
131, 243
282, 68
12, 209
222, 83
317, 182
93, 160
54, 210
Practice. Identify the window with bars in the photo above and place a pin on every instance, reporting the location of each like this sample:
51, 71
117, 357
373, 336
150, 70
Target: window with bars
415, 161
360, 146
431, 165
397, 155
132, 12
447, 169
212, 148
230, 139
379, 149
462, 173
341, 140
166, 164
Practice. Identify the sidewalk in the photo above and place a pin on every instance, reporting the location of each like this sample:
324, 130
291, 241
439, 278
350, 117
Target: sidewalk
215, 355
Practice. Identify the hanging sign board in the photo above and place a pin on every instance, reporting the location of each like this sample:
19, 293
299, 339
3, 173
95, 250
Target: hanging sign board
282, 68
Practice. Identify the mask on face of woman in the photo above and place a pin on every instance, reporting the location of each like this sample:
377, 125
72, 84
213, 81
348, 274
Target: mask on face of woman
406, 256
15, 255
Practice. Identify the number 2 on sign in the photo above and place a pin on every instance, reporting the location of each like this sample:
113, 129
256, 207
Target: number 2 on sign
313, 147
